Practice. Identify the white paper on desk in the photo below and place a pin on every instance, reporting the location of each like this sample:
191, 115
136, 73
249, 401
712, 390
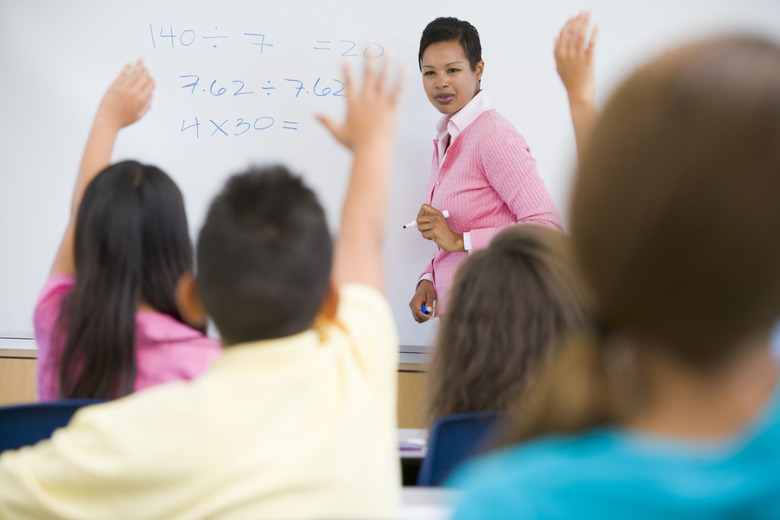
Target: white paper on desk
426, 512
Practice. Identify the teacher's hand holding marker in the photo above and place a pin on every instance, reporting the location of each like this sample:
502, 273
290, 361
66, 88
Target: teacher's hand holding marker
432, 225
423, 304
413, 223
482, 169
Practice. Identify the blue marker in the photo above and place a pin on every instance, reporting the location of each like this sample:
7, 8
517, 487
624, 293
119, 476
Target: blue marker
424, 310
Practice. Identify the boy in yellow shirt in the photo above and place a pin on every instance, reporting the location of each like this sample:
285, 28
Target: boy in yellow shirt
297, 418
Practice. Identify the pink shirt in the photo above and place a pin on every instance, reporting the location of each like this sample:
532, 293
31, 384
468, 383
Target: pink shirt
166, 349
487, 180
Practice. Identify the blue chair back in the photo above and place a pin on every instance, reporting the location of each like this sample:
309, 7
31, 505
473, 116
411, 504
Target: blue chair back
453, 439
26, 424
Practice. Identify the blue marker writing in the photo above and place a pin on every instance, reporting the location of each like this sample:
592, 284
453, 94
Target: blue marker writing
413, 223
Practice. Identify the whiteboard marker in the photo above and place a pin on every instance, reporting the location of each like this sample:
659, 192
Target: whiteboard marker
413, 223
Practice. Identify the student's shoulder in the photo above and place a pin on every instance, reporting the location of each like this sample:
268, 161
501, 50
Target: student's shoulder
356, 297
512, 464
365, 319
482, 484
523, 480
363, 308
160, 331
554, 456
50, 298
56, 287
123, 440
142, 415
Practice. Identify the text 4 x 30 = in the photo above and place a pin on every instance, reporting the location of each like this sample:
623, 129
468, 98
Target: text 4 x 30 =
239, 126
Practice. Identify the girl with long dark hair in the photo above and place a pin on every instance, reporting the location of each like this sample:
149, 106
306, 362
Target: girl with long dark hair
107, 321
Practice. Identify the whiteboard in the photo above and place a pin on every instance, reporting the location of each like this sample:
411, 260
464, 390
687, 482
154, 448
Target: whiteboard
239, 82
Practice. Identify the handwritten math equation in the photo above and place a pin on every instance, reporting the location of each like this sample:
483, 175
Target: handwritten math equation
197, 127
318, 87
164, 37
290, 85
192, 85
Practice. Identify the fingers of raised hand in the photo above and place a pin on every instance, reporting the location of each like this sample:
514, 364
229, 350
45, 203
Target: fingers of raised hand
573, 34
373, 104
372, 83
563, 44
135, 79
331, 126
566, 29
399, 84
349, 83
579, 30
392, 91
123, 75
383, 77
145, 86
593, 37
378, 83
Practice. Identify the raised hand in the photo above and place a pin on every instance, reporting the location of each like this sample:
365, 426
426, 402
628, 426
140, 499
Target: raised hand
368, 131
128, 98
371, 109
575, 63
574, 56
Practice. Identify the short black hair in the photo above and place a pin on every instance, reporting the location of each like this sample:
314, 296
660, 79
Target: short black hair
448, 29
264, 256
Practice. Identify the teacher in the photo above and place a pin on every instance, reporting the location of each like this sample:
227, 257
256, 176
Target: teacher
482, 172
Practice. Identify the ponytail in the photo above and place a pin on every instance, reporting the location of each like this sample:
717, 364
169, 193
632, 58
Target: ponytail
98, 360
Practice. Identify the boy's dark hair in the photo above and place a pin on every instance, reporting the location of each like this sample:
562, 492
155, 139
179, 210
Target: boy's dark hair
264, 256
448, 29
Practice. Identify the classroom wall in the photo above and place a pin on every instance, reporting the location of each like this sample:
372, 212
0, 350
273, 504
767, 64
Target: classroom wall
239, 82
17, 377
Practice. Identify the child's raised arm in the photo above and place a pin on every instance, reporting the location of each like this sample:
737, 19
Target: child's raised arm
368, 132
574, 61
125, 102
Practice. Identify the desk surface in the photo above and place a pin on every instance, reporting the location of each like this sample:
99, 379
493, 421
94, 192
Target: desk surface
412, 443
427, 503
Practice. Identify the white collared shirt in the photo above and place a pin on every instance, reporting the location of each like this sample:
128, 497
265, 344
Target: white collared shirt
454, 124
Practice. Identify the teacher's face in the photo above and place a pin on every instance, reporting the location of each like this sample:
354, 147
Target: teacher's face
448, 79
